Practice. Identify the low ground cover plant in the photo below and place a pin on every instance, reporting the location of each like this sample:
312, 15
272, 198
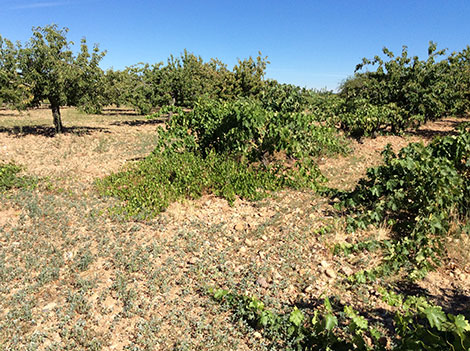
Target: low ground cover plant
10, 179
228, 149
154, 183
420, 193
417, 325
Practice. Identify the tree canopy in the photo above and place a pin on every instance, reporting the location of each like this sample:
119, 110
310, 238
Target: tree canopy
46, 69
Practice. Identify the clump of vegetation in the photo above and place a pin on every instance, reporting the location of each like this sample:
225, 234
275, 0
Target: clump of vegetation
225, 148
9, 178
418, 325
245, 128
419, 193
405, 91
162, 178
46, 69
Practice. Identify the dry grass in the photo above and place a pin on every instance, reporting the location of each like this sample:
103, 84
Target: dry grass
73, 277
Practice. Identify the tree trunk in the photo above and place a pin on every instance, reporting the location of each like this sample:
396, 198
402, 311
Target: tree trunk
59, 128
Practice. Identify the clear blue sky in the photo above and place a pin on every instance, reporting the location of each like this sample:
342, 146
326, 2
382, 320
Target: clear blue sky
309, 43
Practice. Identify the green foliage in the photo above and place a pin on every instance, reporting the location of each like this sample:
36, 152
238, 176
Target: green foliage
12, 90
326, 106
223, 148
405, 92
294, 330
459, 79
361, 117
244, 127
46, 69
365, 245
283, 97
150, 186
9, 178
249, 75
423, 326
183, 80
419, 193
418, 325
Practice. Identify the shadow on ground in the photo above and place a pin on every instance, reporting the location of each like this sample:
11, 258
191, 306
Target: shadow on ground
119, 112
427, 133
140, 122
49, 131
452, 300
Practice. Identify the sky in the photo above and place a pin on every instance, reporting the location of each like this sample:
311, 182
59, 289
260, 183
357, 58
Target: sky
313, 44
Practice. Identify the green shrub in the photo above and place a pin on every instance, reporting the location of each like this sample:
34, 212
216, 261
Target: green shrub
278, 97
162, 178
362, 118
418, 325
420, 192
243, 127
224, 148
9, 177
326, 107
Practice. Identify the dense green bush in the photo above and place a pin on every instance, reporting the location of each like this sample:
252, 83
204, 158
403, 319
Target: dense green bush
224, 148
359, 117
325, 106
419, 193
283, 97
243, 127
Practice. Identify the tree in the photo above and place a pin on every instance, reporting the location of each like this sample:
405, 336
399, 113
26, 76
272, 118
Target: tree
48, 70
12, 91
249, 75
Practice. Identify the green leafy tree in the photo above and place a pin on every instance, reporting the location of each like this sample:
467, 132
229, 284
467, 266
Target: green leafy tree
50, 71
12, 90
403, 91
249, 76
141, 84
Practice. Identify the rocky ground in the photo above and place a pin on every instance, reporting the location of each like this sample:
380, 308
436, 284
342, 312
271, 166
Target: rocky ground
75, 277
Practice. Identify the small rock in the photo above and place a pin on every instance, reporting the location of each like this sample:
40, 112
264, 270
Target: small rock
262, 255
346, 270
330, 273
56, 337
239, 226
262, 282
264, 238
257, 335
242, 250
309, 289
462, 276
192, 260
68, 256
324, 264
248, 242
49, 307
